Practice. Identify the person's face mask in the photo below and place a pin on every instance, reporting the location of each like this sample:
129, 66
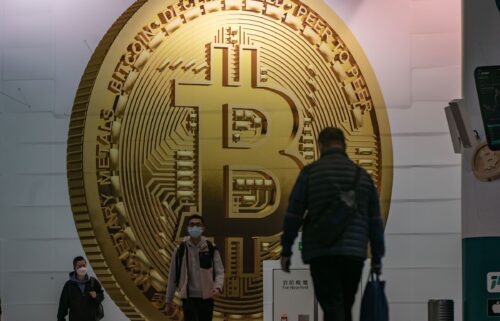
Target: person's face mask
81, 271
195, 231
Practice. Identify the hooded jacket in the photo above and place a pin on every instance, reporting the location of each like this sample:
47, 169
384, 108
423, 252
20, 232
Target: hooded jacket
197, 272
75, 297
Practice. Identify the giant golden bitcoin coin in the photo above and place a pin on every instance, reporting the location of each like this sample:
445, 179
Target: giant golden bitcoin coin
213, 108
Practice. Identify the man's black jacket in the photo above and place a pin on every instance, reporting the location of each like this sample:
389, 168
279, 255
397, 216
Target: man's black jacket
81, 306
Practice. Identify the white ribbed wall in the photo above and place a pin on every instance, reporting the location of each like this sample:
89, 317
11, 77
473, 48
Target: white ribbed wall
44, 50
414, 48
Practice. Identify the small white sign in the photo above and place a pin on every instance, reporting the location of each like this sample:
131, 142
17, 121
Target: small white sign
493, 282
293, 296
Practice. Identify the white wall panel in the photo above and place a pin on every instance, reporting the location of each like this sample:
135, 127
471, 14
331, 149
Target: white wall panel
33, 255
23, 311
33, 222
408, 311
435, 50
421, 118
79, 29
28, 31
37, 94
415, 311
382, 28
35, 190
435, 16
420, 285
414, 49
417, 217
23, 63
438, 83
28, 256
426, 183
42, 52
424, 150
43, 127
423, 250
30, 288
50, 158
27, 7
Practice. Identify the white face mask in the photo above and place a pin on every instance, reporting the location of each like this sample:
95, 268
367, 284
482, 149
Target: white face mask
81, 271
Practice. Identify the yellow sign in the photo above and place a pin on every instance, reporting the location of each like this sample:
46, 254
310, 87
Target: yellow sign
212, 108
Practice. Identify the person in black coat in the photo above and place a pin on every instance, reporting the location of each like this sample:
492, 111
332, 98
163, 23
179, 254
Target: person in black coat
334, 196
81, 294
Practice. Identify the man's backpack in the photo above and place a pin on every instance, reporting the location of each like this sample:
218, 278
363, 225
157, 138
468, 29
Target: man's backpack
100, 309
330, 224
180, 254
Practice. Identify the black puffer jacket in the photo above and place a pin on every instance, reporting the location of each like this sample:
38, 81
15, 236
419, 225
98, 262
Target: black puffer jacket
81, 306
313, 192
335, 168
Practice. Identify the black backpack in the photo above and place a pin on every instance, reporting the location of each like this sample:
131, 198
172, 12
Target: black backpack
180, 255
330, 223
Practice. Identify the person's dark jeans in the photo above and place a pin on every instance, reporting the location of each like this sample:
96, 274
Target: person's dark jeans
336, 280
197, 309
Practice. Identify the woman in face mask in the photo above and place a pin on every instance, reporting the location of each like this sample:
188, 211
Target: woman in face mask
81, 295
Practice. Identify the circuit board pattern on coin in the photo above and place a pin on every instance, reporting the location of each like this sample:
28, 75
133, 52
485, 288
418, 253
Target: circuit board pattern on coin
211, 108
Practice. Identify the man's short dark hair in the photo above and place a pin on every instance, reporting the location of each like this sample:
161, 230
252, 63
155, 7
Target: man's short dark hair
331, 136
196, 216
78, 259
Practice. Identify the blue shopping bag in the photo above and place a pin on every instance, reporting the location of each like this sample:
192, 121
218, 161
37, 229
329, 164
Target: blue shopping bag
374, 306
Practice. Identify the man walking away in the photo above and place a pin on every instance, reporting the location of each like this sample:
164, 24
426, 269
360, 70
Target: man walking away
335, 265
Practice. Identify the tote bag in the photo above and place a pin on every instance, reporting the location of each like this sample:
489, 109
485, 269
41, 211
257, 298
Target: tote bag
374, 306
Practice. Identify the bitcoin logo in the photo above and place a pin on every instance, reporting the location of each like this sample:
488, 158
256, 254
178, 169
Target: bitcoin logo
211, 108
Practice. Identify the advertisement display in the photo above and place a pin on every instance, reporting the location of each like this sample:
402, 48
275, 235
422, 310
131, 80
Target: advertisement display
487, 80
175, 109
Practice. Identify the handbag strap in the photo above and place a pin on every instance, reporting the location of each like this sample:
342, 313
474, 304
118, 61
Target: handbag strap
356, 178
374, 277
354, 184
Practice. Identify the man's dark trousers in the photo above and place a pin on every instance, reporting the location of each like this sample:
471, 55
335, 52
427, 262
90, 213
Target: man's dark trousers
197, 309
336, 280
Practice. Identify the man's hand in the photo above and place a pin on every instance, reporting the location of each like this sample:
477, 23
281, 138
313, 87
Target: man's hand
215, 293
377, 268
285, 263
169, 309
93, 294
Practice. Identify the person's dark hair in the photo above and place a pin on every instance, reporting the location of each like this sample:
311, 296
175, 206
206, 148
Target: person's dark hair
78, 259
331, 136
194, 216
